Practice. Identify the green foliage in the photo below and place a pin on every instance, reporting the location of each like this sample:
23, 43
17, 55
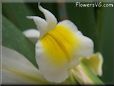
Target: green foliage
14, 39
17, 14
105, 31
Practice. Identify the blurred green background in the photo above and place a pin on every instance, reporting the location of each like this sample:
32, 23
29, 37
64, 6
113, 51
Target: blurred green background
96, 23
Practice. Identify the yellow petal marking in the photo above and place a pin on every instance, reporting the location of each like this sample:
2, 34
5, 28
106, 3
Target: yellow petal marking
60, 44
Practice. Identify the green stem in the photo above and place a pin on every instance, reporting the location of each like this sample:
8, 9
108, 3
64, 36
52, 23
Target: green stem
90, 74
84, 75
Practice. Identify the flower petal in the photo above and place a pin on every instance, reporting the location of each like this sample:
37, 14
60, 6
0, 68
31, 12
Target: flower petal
48, 69
32, 34
95, 63
50, 18
86, 46
40, 23
17, 69
69, 25
85, 49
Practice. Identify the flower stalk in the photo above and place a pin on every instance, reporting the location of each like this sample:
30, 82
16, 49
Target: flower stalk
84, 75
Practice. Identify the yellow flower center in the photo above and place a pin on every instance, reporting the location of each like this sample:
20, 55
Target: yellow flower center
59, 44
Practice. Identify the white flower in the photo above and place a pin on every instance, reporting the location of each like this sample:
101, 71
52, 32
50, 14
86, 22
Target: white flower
59, 46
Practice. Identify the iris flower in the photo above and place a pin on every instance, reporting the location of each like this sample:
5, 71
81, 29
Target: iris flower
61, 51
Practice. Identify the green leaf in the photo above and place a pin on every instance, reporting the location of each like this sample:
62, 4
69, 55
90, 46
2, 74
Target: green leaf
89, 73
105, 22
16, 13
14, 39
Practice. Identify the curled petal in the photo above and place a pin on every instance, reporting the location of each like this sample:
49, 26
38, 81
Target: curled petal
95, 62
50, 18
40, 23
32, 34
16, 69
84, 44
69, 25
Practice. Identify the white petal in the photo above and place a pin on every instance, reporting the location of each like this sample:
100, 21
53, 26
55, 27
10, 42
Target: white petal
40, 23
95, 63
79, 33
86, 46
50, 18
10, 78
32, 34
100, 65
85, 49
48, 70
16, 69
69, 25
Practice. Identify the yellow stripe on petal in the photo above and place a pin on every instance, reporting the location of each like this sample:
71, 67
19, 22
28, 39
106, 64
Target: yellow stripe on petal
60, 44
53, 50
